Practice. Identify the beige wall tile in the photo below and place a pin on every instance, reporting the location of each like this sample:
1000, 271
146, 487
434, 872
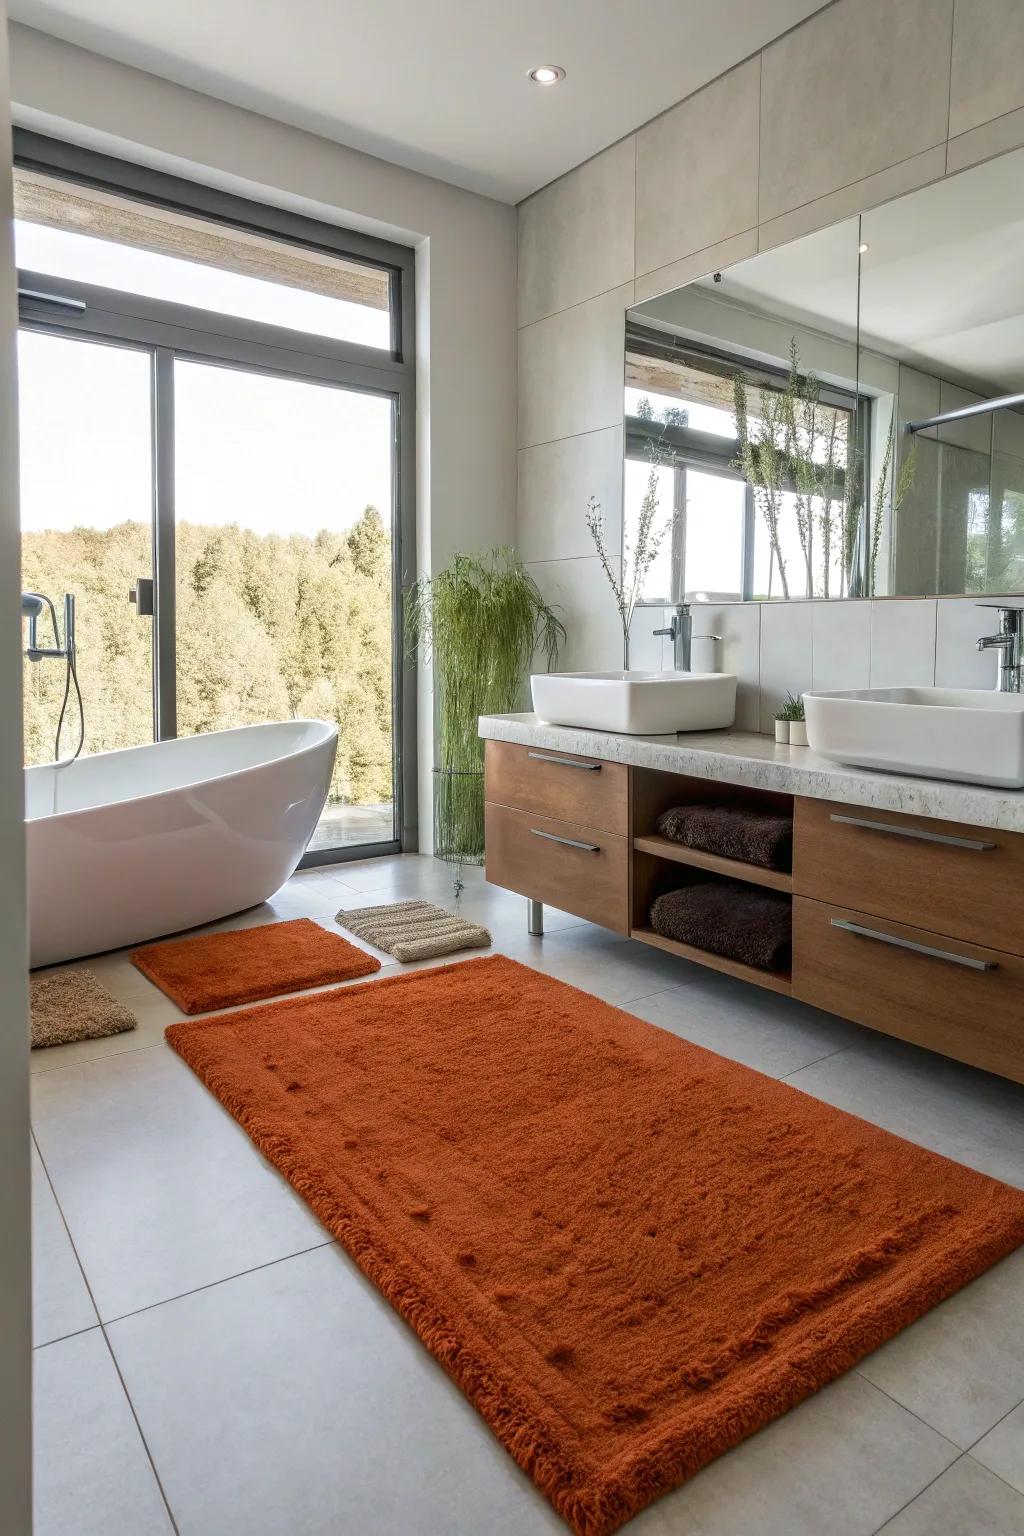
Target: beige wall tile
688, 268
555, 482
986, 78
983, 143
910, 174
576, 236
739, 651
860, 86
571, 369
786, 650
580, 592
903, 643
697, 170
840, 644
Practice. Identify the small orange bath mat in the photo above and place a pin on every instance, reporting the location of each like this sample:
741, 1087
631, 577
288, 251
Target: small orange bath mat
218, 970
628, 1252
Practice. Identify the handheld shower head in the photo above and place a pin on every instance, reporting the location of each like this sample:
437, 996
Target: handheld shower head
32, 606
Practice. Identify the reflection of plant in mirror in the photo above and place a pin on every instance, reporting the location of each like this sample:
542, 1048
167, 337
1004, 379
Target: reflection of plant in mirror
815, 443
639, 555
885, 489
797, 446
763, 461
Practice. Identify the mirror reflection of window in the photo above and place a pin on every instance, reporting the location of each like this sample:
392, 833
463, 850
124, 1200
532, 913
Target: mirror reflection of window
730, 535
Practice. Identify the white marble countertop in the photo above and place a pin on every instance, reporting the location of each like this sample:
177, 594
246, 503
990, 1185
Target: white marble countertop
743, 757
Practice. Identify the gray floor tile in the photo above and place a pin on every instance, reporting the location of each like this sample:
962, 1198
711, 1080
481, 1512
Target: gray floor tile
612, 968
60, 1298
772, 1034
961, 1366
1002, 1449
964, 1114
160, 1189
91, 1473
294, 1400
965, 1501
840, 1464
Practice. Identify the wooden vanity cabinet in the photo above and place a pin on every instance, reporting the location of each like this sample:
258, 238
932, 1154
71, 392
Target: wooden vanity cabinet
555, 829
906, 924
941, 875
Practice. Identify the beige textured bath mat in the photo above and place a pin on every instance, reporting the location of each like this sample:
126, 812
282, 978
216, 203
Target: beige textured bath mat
413, 930
72, 1005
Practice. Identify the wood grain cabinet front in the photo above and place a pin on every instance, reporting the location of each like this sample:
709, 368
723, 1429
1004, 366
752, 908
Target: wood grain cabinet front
967, 882
559, 784
961, 999
580, 869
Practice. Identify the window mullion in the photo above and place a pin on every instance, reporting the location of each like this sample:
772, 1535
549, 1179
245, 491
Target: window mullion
164, 632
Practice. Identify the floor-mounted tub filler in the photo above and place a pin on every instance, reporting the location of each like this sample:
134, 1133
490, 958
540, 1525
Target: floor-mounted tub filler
126, 846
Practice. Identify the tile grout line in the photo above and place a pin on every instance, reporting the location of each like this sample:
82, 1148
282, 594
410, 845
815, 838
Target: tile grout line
63, 1337
997, 1475
896, 1512
996, 1425
827, 1057
142, 1437
856, 1371
99, 1325
848, 186
210, 1285
949, 81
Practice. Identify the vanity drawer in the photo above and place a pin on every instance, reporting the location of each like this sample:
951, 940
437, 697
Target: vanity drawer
940, 875
558, 784
962, 1000
579, 869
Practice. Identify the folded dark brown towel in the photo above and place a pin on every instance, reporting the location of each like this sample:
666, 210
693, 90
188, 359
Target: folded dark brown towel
754, 837
741, 922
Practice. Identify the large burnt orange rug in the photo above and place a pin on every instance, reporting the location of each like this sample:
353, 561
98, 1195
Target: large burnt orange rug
627, 1251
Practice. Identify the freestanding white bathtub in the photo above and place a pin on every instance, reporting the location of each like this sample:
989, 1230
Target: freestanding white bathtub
125, 846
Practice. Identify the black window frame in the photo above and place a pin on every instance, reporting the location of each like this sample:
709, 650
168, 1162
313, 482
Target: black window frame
169, 330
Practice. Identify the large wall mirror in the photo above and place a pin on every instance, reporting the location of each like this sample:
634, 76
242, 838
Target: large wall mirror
842, 416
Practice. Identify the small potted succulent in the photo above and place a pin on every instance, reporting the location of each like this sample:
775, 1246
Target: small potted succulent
790, 725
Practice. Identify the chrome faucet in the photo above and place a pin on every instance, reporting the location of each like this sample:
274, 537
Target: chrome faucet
1008, 643
680, 631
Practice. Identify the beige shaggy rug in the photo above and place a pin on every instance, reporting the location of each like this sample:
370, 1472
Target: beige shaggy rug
72, 1005
413, 930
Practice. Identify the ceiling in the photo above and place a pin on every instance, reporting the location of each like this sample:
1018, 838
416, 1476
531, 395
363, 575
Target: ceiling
438, 86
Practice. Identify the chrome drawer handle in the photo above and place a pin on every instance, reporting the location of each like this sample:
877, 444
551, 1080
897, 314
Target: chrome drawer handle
563, 762
924, 837
919, 949
569, 842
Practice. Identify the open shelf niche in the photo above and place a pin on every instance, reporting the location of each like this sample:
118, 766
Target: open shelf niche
654, 857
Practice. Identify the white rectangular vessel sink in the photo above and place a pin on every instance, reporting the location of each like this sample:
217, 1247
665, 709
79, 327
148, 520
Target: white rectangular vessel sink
636, 703
942, 733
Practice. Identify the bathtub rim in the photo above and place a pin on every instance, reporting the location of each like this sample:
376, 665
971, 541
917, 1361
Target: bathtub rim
330, 736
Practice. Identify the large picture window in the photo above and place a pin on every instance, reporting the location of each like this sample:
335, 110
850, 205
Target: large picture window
216, 405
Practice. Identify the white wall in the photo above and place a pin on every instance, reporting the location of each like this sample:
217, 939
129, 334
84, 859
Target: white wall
465, 267
863, 101
15, 1315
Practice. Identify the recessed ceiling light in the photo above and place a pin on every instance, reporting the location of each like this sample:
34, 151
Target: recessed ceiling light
863, 247
546, 74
